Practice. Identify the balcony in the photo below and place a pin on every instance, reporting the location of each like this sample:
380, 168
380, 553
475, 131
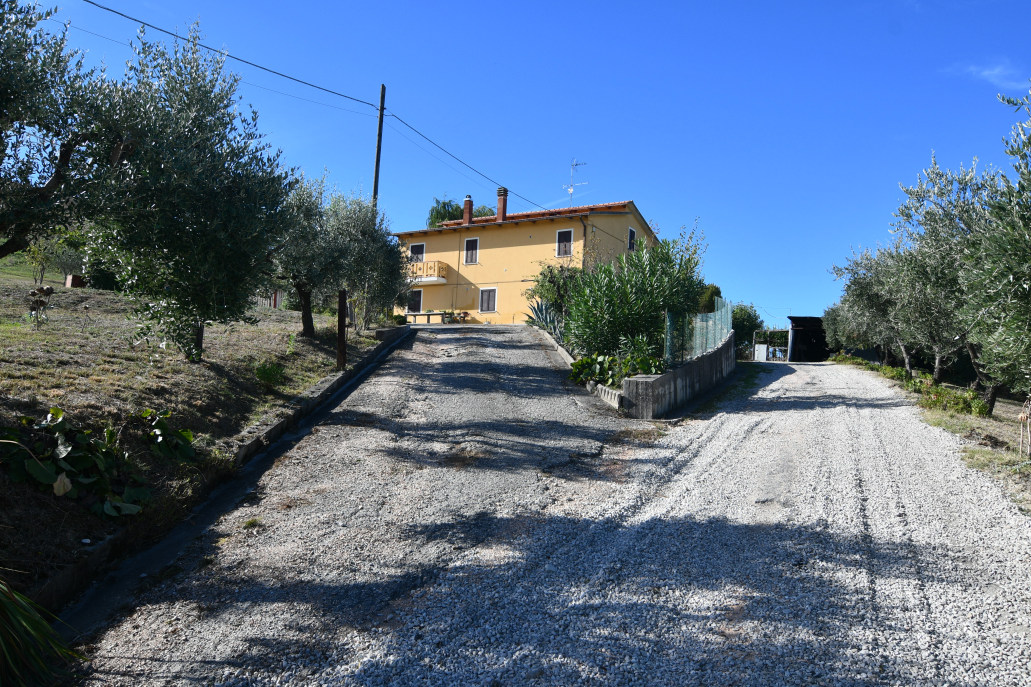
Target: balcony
429, 272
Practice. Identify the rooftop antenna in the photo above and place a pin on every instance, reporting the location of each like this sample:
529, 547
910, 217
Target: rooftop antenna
570, 186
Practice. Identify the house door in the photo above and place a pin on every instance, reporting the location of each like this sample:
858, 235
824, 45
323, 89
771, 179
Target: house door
415, 300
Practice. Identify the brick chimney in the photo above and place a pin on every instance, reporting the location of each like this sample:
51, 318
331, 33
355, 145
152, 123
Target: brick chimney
502, 203
467, 210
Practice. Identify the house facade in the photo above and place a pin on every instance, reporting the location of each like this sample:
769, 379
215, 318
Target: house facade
483, 265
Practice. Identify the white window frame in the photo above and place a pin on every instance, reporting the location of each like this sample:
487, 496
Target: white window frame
559, 243
421, 295
413, 245
479, 300
631, 239
465, 250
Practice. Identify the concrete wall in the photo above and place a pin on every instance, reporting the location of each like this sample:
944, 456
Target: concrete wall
653, 396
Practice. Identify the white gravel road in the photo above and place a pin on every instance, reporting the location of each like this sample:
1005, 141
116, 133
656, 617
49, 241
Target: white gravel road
466, 517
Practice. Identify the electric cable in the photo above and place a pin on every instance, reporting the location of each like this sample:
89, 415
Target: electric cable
231, 56
309, 84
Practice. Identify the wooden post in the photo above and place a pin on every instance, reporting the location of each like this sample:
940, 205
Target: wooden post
342, 329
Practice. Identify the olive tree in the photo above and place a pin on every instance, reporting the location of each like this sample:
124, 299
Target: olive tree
59, 146
314, 255
871, 310
375, 270
997, 268
202, 199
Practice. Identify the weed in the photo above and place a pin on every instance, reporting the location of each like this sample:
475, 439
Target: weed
251, 523
291, 344
270, 373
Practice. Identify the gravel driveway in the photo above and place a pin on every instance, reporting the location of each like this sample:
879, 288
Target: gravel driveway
468, 517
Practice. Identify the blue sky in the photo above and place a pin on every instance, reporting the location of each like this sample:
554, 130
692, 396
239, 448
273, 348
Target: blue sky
785, 128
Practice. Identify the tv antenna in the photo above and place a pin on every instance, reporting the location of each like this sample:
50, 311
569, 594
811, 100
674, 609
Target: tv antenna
570, 186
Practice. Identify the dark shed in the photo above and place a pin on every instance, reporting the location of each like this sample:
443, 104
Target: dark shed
806, 340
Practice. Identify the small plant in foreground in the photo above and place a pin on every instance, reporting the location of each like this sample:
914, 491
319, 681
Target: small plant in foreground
251, 523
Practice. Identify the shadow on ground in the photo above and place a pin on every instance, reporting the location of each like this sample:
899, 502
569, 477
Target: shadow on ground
690, 601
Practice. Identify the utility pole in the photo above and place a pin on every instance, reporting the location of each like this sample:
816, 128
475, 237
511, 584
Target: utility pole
342, 294
379, 147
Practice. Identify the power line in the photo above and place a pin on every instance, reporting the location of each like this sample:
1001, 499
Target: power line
232, 57
310, 85
459, 159
128, 44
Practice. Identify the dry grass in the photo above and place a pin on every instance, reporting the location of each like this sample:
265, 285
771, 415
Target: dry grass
84, 361
997, 440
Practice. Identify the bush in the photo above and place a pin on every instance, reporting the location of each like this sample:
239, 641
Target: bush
630, 297
400, 320
611, 370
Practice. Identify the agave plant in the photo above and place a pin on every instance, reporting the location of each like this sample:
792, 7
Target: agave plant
31, 653
547, 318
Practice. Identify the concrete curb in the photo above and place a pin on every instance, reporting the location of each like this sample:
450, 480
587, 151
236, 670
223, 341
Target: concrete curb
562, 353
256, 449
610, 396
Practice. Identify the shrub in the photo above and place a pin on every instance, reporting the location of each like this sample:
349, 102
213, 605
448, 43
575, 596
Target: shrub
270, 373
630, 297
400, 320
611, 370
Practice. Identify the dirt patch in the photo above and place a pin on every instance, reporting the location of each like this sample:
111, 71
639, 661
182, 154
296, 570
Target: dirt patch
985, 439
463, 456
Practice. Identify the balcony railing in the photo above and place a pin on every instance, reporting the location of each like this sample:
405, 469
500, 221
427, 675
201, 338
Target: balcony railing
429, 272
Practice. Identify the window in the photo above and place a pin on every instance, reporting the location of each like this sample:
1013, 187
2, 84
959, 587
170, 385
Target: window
415, 300
472, 251
488, 300
631, 239
417, 251
564, 243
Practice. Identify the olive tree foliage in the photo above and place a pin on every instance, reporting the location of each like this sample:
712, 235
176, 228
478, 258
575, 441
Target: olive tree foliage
375, 271
871, 312
997, 268
629, 298
203, 195
314, 255
59, 146
944, 214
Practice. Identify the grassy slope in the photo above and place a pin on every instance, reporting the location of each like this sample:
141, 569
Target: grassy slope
84, 361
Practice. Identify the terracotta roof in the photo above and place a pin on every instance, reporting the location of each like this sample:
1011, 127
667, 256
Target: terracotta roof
535, 215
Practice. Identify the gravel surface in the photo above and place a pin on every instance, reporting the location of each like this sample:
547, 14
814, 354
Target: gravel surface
468, 517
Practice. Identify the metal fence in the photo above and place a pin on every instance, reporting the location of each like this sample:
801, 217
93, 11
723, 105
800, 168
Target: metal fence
690, 337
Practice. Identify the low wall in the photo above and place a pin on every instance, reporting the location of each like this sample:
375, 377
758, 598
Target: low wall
653, 396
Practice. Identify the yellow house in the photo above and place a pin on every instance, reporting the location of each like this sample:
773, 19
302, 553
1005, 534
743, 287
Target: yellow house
482, 265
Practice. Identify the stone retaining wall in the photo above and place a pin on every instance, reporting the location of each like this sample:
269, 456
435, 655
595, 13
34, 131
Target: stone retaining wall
653, 396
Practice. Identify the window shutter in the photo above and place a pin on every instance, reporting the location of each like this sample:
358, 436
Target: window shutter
471, 249
488, 300
418, 253
565, 243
